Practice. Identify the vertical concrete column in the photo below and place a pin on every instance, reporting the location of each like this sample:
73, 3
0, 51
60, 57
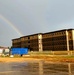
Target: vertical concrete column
40, 42
73, 38
67, 39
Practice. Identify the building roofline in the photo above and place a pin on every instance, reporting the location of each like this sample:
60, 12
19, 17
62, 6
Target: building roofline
44, 33
31, 35
15, 39
58, 31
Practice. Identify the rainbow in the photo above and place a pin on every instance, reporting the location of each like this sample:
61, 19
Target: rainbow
10, 24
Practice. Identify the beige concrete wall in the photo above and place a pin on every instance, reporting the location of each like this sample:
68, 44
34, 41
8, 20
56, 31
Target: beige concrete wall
67, 38
73, 38
40, 42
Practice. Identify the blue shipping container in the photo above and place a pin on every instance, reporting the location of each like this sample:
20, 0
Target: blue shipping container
19, 51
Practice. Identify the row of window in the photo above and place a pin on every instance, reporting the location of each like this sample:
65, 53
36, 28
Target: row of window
46, 39
55, 38
56, 33
55, 48
54, 43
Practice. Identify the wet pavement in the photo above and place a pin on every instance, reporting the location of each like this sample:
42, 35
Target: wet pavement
37, 68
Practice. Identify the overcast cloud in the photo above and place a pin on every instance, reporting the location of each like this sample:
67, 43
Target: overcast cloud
34, 16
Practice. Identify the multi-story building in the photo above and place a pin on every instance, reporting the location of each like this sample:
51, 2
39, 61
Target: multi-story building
33, 42
16, 42
24, 41
58, 40
52, 41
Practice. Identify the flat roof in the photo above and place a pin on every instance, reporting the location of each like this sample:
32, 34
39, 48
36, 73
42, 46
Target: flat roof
31, 35
58, 31
44, 33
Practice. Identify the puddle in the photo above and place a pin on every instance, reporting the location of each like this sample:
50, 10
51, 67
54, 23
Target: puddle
36, 68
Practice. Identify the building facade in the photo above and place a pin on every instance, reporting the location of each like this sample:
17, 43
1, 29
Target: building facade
33, 42
60, 40
54, 41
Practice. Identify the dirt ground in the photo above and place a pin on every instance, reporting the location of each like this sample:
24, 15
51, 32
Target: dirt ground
37, 58
7, 59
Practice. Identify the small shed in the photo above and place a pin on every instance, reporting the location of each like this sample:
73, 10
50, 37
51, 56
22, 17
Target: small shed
4, 51
1, 51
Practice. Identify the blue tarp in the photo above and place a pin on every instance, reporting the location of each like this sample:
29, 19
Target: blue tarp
20, 51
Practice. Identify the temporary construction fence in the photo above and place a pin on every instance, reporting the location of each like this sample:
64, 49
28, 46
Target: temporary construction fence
19, 51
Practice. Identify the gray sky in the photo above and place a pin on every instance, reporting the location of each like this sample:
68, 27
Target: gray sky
33, 16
